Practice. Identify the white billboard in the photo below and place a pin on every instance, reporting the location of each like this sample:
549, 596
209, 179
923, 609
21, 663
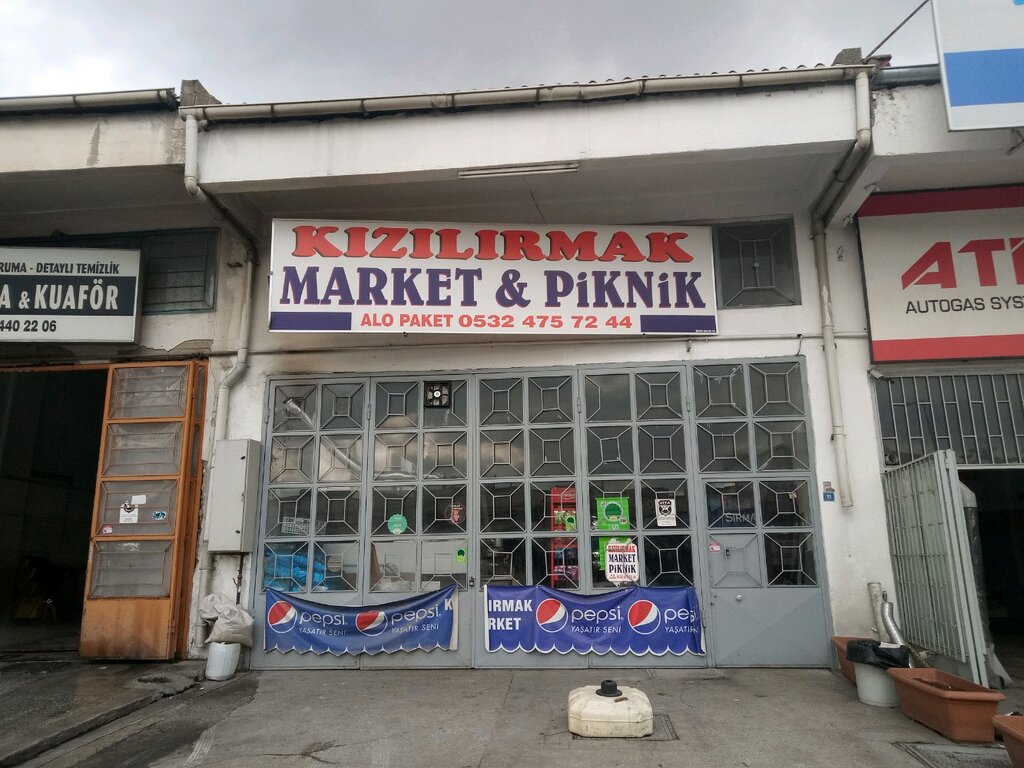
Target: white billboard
944, 274
69, 294
981, 55
415, 277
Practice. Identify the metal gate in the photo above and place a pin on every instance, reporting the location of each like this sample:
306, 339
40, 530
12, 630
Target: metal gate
382, 487
931, 559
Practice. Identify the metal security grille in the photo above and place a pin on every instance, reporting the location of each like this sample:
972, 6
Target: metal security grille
406, 483
931, 559
980, 417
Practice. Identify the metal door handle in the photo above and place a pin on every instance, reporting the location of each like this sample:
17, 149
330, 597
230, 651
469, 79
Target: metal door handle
472, 581
728, 551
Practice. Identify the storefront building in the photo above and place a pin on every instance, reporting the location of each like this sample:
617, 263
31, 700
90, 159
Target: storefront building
441, 396
108, 322
476, 339
941, 245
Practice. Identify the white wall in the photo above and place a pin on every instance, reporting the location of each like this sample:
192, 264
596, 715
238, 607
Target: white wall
758, 123
61, 142
854, 539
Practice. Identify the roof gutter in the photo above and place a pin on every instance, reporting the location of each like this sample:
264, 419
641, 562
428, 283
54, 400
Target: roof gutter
623, 89
896, 77
90, 102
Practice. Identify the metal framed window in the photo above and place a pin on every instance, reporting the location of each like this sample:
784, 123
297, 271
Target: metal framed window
179, 267
757, 265
526, 477
753, 453
980, 417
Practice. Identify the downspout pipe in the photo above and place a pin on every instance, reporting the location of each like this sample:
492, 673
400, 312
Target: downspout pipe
241, 362
819, 218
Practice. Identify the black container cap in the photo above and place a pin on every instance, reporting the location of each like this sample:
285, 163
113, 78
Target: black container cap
609, 688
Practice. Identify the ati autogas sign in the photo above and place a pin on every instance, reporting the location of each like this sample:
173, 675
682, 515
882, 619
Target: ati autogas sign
944, 274
636, 621
68, 294
402, 277
420, 623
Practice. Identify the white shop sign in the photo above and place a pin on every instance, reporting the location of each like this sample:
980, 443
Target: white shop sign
944, 274
621, 562
69, 294
390, 277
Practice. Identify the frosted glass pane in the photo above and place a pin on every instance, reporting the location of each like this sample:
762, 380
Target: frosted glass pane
131, 569
143, 449
137, 508
150, 392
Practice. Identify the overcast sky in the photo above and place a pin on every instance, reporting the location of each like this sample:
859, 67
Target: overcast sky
296, 50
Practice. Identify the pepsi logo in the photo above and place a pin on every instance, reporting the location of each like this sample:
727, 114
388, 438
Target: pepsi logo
281, 616
644, 617
371, 622
551, 615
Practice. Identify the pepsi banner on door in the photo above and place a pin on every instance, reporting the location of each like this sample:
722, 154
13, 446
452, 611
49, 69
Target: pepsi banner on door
418, 624
641, 620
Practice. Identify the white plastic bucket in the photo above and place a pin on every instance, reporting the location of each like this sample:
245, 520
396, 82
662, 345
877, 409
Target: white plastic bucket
222, 661
875, 686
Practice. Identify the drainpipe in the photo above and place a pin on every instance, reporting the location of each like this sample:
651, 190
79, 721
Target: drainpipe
241, 363
840, 179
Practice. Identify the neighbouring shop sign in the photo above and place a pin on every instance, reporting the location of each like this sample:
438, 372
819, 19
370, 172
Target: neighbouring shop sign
640, 620
944, 274
68, 294
981, 56
390, 277
418, 624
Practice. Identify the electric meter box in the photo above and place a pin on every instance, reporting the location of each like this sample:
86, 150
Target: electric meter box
234, 498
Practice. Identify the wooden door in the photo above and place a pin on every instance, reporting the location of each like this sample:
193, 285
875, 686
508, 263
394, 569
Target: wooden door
142, 545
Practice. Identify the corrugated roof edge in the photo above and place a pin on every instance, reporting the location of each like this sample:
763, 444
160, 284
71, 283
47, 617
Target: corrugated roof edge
620, 89
163, 98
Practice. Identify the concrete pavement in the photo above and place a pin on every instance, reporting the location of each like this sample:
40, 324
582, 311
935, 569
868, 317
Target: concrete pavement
60, 713
501, 719
47, 699
509, 719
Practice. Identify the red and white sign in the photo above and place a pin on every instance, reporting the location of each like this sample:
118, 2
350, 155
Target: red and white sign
402, 277
944, 273
621, 562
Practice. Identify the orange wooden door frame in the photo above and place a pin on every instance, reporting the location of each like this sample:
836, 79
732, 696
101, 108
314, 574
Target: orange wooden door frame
150, 626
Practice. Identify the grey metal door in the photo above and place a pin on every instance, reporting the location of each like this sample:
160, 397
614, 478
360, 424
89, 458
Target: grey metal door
935, 588
636, 428
757, 521
366, 501
528, 486
417, 495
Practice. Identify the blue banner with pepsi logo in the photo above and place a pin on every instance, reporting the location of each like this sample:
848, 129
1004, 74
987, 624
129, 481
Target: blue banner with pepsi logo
640, 620
418, 624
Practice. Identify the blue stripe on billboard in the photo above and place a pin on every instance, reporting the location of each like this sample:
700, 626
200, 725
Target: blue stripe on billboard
420, 623
678, 324
641, 620
309, 321
985, 77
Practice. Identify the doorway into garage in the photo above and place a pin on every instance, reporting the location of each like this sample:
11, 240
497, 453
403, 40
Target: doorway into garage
50, 430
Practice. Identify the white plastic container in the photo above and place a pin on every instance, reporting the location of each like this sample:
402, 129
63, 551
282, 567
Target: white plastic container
627, 715
875, 686
222, 661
